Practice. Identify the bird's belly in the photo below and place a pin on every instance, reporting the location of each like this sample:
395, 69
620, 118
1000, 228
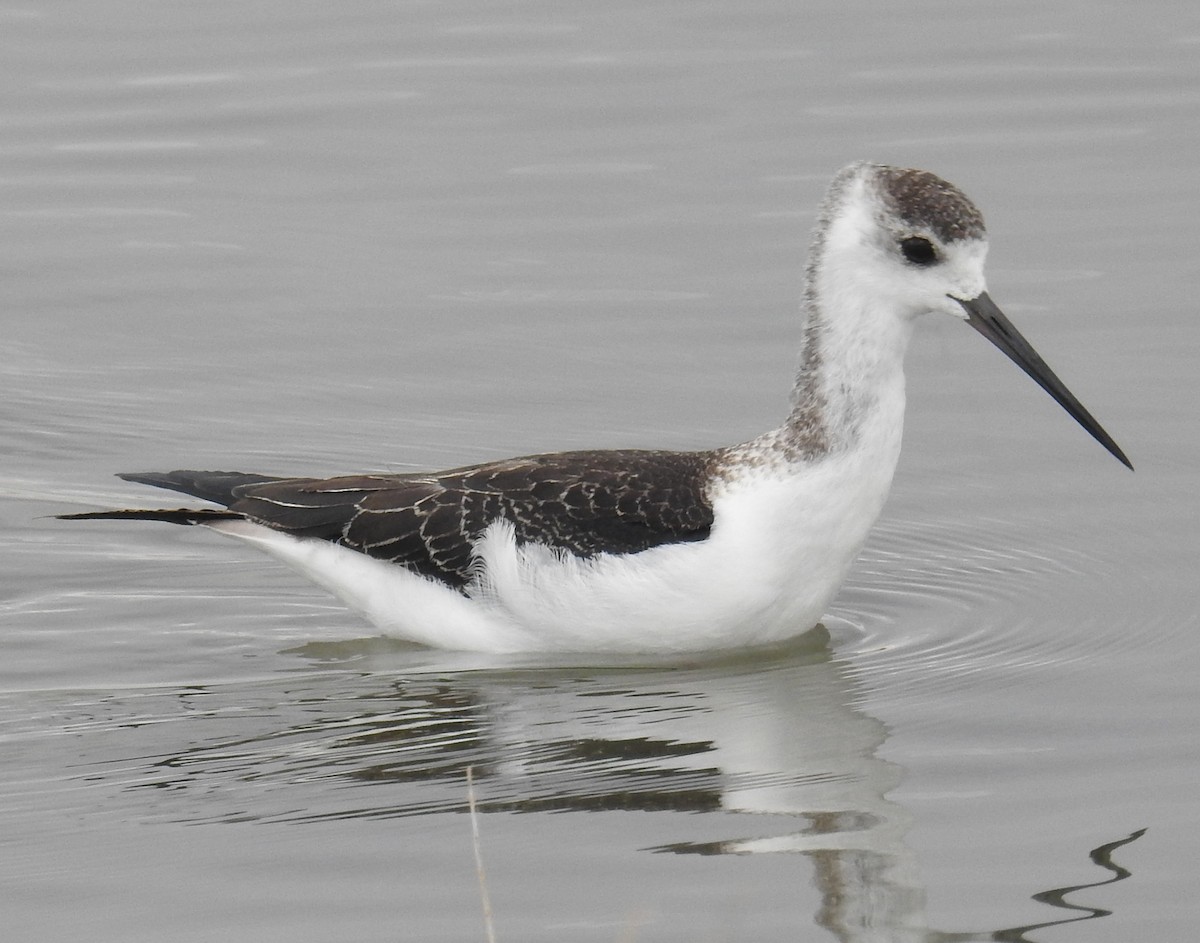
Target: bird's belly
777, 553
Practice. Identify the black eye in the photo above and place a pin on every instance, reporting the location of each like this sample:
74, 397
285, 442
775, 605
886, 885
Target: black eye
918, 250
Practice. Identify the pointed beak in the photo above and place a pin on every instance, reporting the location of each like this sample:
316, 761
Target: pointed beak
988, 320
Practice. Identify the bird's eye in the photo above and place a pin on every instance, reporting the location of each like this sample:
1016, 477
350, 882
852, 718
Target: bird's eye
918, 250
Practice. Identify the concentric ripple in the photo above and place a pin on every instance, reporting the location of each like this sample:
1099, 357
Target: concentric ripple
947, 599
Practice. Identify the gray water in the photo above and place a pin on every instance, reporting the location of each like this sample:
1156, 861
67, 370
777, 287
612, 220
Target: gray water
305, 238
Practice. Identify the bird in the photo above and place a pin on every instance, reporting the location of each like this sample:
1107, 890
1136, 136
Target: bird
656, 551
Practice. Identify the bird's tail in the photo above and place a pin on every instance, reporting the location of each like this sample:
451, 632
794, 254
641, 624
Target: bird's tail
170, 516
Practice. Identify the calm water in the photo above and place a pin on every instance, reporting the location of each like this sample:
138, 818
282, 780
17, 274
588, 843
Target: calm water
314, 238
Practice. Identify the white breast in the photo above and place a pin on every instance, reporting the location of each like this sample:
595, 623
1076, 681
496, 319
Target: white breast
782, 541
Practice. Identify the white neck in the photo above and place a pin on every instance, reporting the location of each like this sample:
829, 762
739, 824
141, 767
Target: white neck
852, 368
849, 391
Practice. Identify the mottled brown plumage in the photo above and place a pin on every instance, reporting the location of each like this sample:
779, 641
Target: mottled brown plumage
926, 201
582, 503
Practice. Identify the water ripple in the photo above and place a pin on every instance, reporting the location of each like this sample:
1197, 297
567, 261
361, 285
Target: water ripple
941, 601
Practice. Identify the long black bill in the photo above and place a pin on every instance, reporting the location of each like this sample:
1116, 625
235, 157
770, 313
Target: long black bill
988, 320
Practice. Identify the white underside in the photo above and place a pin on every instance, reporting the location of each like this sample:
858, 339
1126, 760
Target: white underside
781, 545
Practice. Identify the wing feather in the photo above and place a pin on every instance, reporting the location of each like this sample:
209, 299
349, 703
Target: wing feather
582, 503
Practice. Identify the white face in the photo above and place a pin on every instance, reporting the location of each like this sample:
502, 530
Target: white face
955, 274
907, 268
896, 244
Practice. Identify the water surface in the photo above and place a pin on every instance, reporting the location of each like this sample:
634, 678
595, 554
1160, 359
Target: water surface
331, 238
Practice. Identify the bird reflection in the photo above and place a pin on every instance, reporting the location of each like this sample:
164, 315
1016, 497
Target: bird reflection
782, 736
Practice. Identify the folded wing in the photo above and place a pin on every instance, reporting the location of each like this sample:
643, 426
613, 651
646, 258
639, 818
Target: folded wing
582, 503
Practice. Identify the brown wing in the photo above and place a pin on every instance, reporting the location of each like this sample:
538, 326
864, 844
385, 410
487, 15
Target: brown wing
583, 503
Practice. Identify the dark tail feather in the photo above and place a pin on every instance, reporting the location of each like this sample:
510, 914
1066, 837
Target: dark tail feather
176, 516
215, 486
